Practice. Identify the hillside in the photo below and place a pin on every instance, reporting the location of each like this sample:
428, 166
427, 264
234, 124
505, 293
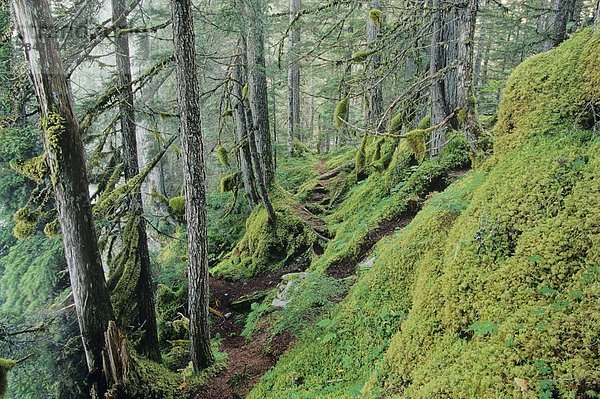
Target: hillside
493, 289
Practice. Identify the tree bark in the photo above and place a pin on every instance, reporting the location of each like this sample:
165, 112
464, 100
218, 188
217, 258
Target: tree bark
257, 165
65, 158
293, 77
143, 295
188, 98
438, 107
467, 115
241, 130
257, 88
555, 30
375, 109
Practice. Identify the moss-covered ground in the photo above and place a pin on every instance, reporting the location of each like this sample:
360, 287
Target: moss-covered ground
493, 290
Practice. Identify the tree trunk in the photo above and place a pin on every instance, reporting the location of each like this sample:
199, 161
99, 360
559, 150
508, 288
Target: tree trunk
144, 322
188, 98
555, 30
375, 106
257, 88
438, 108
65, 158
467, 116
241, 130
293, 77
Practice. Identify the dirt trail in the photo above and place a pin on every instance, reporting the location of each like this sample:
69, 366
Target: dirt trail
347, 267
248, 360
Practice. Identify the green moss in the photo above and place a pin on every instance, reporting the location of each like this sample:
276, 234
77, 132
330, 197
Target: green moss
230, 182
361, 157
124, 277
227, 113
223, 156
375, 17
299, 149
590, 70
177, 205
361, 56
344, 348
547, 92
496, 278
425, 123
150, 380
416, 142
34, 169
264, 248
53, 126
52, 228
5, 366
26, 222
341, 112
396, 123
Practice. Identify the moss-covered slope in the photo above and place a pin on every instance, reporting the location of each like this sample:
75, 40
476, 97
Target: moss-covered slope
493, 290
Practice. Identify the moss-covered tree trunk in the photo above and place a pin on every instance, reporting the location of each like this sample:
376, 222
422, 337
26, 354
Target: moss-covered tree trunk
188, 98
140, 293
65, 158
375, 106
241, 131
257, 88
293, 77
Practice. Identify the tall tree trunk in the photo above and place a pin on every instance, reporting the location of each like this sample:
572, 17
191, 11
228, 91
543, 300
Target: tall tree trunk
438, 107
64, 152
257, 88
188, 98
255, 157
555, 30
241, 130
293, 77
143, 319
467, 116
375, 106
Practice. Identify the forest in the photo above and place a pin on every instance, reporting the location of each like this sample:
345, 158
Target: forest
301, 199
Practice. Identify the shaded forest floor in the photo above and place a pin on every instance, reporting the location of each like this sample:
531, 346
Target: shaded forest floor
250, 357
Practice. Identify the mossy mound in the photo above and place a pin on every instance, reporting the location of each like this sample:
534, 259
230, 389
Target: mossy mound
492, 290
264, 247
549, 92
